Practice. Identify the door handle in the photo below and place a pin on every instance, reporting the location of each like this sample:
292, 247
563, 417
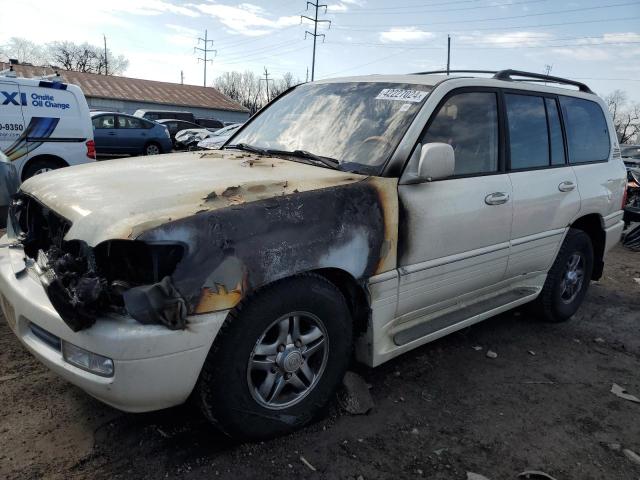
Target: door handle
111, 133
497, 198
566, 186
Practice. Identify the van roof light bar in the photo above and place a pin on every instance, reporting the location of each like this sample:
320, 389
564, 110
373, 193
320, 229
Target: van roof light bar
508, 74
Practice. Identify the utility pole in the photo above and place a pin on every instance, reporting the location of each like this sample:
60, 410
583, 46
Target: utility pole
547, 70
315, 33
106, 64
266, 80
181, 77
448, 53
205, 50
306, 80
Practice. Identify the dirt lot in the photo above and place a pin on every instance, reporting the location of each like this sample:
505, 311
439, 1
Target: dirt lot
441, 410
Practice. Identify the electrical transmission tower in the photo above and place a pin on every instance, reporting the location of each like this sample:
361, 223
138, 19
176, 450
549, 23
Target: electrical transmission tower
205, 50
266, 80
315, 33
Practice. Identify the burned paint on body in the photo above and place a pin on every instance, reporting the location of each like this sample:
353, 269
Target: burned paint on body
233, 251
238, 226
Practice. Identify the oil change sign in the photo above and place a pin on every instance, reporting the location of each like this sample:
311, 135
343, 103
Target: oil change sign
401, 95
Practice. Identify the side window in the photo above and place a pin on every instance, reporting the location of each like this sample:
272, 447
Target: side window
587, 133
104, 121
528, 136
555, 132
128, 122
469, 123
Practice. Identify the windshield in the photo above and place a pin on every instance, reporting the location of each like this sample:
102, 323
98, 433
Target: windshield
358, 124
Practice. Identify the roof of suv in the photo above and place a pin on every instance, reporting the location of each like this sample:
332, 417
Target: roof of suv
535, 82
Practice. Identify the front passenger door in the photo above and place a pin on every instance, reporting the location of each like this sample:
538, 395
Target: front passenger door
454, 233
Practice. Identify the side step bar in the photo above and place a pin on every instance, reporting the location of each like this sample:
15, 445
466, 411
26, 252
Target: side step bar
465, 316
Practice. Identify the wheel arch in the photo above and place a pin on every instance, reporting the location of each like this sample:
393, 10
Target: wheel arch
45, 156
354, 293
593, 225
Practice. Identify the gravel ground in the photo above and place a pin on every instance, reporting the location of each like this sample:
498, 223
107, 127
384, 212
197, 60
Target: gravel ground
440, 411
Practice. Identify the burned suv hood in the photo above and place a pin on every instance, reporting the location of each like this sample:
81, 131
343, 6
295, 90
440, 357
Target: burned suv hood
120, 199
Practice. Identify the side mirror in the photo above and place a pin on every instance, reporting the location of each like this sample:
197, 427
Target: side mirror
437, 161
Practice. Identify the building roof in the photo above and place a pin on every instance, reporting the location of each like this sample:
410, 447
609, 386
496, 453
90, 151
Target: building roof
137, 89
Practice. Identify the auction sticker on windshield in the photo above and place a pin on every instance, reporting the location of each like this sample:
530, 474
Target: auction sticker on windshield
401, 94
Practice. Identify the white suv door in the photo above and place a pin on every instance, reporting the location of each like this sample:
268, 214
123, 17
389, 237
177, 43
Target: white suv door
454, 233
545, 193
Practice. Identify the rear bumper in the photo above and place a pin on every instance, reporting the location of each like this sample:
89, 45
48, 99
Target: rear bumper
154, 367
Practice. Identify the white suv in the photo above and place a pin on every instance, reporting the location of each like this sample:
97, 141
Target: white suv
372, 213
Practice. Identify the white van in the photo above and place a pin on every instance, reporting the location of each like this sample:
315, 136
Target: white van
44, 124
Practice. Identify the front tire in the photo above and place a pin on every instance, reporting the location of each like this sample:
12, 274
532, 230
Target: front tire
278, 359
568, 280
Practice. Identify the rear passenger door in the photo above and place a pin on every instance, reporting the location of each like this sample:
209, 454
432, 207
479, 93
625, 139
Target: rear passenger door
105, 135
545, 193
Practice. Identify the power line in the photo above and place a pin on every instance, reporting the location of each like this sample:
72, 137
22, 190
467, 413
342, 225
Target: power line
205, 50
515, 27
315, 33
510, 17
427, 8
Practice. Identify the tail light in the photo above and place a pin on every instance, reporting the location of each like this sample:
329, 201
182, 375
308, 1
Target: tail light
91, 149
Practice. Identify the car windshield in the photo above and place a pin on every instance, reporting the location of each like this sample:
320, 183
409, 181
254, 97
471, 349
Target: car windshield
358, 124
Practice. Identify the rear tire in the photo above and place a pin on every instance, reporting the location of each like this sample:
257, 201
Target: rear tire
41, 165
152, 148
259, 350
568, 280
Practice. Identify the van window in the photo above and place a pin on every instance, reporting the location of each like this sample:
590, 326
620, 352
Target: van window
555, 132
587, 133
469, 123
528, 136
104, 121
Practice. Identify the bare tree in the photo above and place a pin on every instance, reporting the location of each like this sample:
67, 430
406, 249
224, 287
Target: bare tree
246, 88
68, 55
283, 84
626, 116
25, 51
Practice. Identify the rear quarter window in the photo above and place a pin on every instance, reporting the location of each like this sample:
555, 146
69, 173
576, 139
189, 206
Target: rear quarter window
587, 132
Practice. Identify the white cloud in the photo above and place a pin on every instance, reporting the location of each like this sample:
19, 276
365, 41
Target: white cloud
337, 7
405, 34
181, 36
506, 39
145, 7
582, 53
246, 19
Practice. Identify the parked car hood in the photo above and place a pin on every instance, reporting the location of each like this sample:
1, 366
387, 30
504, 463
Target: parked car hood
125, 197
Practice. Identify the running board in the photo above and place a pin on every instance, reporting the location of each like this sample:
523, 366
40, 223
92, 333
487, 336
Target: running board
467, 316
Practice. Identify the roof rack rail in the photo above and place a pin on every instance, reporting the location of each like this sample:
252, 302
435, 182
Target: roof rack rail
507, 74
454, 71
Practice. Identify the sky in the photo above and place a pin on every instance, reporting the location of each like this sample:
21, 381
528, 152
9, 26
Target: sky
597, 42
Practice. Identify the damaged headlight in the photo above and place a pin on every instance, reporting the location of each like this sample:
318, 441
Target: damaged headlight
82, 282
86, 360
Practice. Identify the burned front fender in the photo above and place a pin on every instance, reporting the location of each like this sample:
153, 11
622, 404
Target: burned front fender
232, 251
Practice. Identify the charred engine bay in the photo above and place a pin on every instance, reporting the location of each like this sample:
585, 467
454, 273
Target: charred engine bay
82, 282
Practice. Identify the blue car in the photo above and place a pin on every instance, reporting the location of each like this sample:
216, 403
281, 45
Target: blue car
118, 133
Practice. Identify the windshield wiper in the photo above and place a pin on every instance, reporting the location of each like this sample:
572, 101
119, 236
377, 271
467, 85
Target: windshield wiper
327, 161
248, 148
